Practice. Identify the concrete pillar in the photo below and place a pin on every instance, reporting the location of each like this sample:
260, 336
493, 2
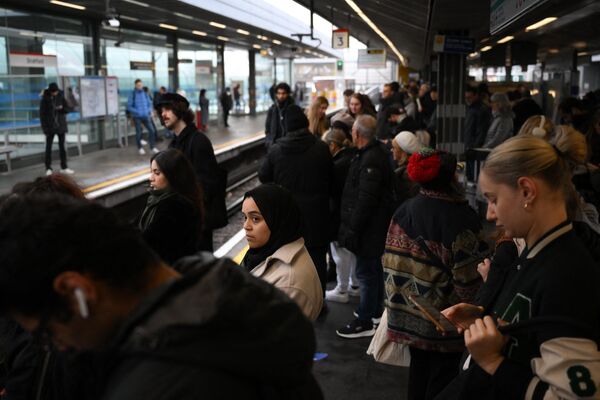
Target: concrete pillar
220, 79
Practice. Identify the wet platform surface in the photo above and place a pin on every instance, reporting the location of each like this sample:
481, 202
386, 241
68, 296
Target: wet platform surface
100, 168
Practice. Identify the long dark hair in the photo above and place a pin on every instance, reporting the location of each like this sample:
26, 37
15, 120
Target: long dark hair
181, 177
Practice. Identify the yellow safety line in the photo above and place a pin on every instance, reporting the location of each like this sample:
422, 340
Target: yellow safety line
115, 180
240, 256
120, 179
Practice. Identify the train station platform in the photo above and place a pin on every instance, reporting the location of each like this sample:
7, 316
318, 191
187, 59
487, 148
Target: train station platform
100, 171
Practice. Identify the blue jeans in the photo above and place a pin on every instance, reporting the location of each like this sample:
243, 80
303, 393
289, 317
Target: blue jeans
138, 121
369, 272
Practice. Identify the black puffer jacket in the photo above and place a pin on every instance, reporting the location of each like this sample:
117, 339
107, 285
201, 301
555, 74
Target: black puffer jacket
341, 164
215, 333
367, 204
302, 164
53, 113
275, 127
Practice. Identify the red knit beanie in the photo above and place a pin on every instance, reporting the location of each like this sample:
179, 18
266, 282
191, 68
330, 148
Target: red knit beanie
424, 166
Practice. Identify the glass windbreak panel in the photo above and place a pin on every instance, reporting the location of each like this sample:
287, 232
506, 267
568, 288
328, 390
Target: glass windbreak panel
131, 55
264, 81
31, 57
236, 76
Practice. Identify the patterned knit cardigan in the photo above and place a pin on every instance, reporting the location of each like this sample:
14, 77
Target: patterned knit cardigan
433, 246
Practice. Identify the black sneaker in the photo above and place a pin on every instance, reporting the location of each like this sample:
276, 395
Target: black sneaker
356, 329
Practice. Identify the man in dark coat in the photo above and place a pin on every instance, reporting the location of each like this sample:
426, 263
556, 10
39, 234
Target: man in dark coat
196, 146
302, 163
226, 105
389, 100
275, 125
203, 329
53, 117
478, 118
366, 211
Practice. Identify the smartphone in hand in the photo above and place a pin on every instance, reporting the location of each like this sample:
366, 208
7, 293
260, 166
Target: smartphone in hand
442, 324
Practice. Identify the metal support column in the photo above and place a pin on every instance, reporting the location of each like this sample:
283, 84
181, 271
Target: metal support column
220, 79
173, 40
252, 81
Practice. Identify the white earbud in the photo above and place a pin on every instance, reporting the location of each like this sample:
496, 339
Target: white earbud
539, 131
82, 303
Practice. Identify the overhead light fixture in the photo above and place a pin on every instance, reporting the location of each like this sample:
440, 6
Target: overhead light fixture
113, 21
167, 26
199, 33
184, 16
65, 4
217, 25
256, 46
580, 45
583, 53
486, 48
307, 51
32, 34
474, 54
505, 39
242, 32
264, 38
553, 51
484, 40
128, 18
362, 15
541, 23
137, 3
223, 38
276, 41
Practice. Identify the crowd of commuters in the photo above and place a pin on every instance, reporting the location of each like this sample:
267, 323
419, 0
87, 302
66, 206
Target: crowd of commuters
366, 187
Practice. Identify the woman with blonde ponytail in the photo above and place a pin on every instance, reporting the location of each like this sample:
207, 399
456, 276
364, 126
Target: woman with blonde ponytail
548, 296
578, 208
317, 120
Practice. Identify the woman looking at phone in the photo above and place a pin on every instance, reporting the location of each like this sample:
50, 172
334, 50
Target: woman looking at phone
527, 183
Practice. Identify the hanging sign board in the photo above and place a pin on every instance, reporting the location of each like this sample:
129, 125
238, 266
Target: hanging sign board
112, 95
371, 58
31, 60
505, 12
141, 65
93, 96
340, 38
453, 44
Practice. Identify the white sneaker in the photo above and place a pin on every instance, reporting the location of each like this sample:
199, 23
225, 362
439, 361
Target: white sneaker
48, 172
141, 151
155, 150
67, 171
336, 295
354, 291
143, 142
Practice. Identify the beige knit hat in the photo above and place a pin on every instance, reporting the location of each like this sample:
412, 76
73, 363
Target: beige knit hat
408, 142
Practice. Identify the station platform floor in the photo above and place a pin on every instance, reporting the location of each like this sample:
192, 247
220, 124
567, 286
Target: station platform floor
106, 167
347, 372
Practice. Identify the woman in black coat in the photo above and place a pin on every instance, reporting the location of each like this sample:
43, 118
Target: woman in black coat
172, 221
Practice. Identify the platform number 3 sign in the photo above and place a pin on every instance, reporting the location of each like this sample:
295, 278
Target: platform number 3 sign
340, 39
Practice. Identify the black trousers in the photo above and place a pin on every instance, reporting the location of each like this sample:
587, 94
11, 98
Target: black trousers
430, 372
318, 255
61, 149
225, 117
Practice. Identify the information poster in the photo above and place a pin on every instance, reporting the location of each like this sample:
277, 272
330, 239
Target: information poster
93, 96
371, 58
112, 95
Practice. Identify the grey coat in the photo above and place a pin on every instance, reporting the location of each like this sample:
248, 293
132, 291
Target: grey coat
500, 130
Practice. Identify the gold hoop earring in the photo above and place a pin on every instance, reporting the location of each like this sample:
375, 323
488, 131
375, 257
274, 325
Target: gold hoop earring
526, 205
